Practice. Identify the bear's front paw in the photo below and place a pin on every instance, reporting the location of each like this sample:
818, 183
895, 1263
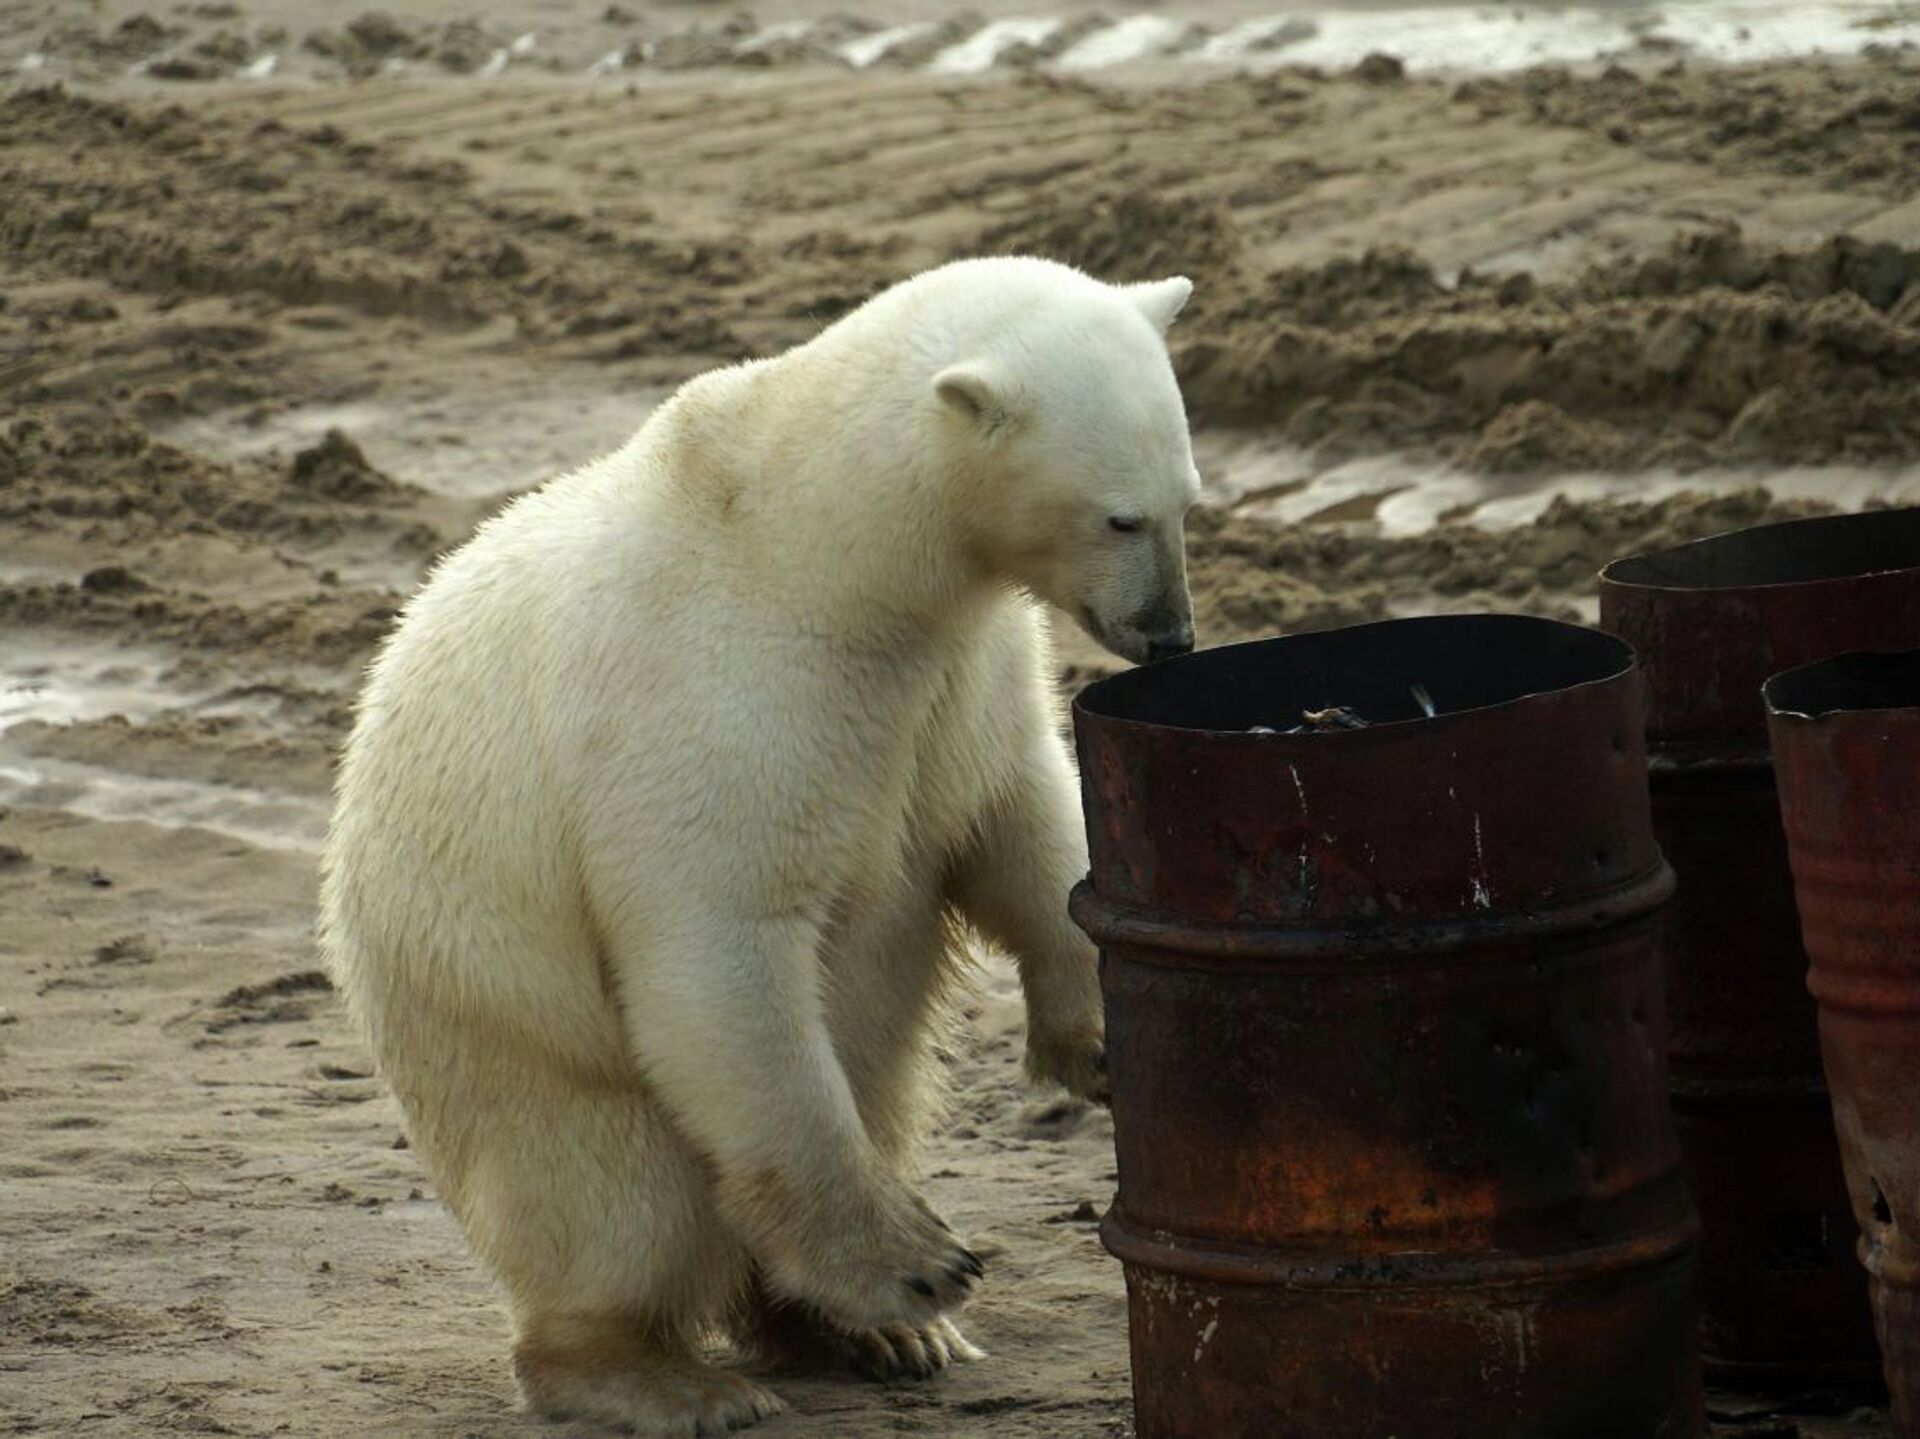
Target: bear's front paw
883, 1260
790, 1337
1078, 1063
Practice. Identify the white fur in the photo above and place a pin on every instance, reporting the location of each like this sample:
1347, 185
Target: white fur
669, 788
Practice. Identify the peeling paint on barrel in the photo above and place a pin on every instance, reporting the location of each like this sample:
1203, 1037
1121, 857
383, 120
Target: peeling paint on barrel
1392, 1138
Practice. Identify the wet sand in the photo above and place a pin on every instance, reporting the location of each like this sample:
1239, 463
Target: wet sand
269, 344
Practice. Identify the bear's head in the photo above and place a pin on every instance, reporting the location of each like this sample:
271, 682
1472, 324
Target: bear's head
1071, 421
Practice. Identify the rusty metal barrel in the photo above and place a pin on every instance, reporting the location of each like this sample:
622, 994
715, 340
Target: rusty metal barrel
1385, 1032
1846, 744
1782, 1302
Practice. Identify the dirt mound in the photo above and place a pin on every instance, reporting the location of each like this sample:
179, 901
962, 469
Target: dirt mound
373, 39
1122, 236
1852, 121
918, 49
1252, 579
1348, 291
1882, 275
327, 627
87, 482
337, 469
818, 45
698, 47
138, 37
96, 467
1713, 352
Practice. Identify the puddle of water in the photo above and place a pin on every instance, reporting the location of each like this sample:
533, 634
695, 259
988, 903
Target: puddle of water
272, 821
66, 680
61, 681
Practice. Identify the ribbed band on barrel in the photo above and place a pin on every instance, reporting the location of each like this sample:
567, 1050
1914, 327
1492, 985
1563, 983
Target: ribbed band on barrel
1353, 943
1196, 1259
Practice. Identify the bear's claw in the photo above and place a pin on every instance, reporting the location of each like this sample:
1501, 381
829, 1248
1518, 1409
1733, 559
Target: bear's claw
788, 1337
1077, 1064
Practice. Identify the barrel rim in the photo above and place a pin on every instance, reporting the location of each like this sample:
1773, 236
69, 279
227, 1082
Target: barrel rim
1638, 573
1450, 937
1087, 704
1164, 1252
1808, 693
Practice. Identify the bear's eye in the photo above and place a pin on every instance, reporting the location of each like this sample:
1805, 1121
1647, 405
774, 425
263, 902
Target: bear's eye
1123, 526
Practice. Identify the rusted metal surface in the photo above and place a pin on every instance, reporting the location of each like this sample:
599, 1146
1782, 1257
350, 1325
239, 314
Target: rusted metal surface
1846, 740
1782, 1302
1385, 1030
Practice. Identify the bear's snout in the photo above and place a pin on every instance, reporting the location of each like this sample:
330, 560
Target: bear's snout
1165, 644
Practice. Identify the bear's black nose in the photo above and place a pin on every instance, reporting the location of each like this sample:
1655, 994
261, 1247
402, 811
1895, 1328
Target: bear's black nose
1168, 643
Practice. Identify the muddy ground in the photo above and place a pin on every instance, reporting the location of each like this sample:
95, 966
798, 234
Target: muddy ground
269, 343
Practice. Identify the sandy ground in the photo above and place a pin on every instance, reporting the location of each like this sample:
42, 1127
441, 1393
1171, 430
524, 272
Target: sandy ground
269, 343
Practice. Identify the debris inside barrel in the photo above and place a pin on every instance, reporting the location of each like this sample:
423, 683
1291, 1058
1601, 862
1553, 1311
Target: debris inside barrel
1336, 717
1342, 717
1332, 718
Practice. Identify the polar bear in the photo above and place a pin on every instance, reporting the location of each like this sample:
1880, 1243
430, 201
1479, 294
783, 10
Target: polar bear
672, 790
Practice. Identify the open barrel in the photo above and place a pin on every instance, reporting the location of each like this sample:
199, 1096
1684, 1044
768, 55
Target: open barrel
1846, 743
1782, 1301
1386, 1036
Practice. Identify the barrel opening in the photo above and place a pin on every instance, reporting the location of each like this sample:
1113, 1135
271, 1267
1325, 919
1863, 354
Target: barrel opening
1848, 682
1830, 547
1392, 672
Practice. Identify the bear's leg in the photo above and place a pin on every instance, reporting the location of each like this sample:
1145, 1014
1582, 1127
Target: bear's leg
612, 1368
596, 1217
888, 978
1028, 853
726, 1008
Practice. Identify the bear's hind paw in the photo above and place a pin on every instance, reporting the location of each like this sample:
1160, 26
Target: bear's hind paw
655, 1399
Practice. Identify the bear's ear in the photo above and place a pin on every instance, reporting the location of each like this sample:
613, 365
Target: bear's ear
975, 391
1160, 300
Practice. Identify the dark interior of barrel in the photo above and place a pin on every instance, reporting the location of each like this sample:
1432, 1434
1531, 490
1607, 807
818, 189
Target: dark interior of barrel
1829, 547
1849, 682
1382, 673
